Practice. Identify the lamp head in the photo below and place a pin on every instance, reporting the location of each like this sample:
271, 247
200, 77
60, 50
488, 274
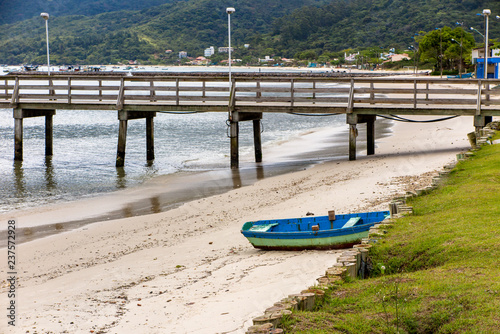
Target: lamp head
230, 10
45, 16
486, 12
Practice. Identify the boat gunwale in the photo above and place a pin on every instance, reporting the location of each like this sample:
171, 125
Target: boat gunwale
308, 234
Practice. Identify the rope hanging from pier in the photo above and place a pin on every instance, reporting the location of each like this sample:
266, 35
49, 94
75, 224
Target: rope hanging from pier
317, 115
181, 112
401, 119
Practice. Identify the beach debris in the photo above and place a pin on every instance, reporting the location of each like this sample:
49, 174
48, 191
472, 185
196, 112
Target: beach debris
309, 213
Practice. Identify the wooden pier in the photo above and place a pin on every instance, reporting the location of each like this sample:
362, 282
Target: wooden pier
246, 98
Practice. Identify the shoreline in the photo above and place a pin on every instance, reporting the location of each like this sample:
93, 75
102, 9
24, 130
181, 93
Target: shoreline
189, 270
169, 191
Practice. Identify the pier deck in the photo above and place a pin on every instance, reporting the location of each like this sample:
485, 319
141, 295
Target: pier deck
246, 98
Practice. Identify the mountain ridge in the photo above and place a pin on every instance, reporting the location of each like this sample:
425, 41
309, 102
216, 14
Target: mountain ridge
281, 27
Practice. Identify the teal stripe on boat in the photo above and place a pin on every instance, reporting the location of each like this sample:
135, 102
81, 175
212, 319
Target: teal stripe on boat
307, 243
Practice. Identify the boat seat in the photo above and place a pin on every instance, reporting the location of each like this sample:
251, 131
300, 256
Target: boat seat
351, 222
262, 227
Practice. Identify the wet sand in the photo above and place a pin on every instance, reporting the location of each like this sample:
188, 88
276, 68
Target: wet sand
163, 193
188, 269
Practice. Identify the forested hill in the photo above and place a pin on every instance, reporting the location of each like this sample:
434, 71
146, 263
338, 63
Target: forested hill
111, 31
20, 10
190, 25
343, 24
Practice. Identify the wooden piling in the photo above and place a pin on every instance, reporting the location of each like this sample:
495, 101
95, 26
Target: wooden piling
257, 140
19, 115
479, 123
122, 140
370, 136
353, 132
352, 120
49, 134
150, 147
18, 139
234, 132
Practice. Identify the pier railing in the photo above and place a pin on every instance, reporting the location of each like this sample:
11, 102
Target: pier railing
246, 98
266, 94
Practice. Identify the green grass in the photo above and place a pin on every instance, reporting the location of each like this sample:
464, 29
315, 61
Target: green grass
442, 265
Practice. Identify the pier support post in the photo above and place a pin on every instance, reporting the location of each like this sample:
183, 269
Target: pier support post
49, 135
257, 140
235, 118
352, 120
124, 116
353, 133
150, 147
234, 133
370, 134
18, 139
479, 123
122, 141
19, 115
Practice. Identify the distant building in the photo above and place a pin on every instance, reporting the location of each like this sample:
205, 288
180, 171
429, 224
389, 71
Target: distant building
493, 68
209, 51
397, 57
266, 59
246, 46
351, 57
168, 51
493, 62
199, 61
224, 49
183, 54
479, 53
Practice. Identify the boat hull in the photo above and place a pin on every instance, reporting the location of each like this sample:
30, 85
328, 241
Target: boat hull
311, 232
336, 242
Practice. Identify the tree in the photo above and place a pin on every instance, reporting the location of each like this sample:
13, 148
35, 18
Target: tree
447, 48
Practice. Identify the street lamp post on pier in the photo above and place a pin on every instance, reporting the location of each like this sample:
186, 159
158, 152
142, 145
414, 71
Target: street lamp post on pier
229, 11
486, 13
45, 16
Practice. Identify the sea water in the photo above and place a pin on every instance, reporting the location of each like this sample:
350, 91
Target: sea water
192, 157
85, 144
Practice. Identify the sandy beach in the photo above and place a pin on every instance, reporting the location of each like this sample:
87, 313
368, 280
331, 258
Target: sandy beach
189, 269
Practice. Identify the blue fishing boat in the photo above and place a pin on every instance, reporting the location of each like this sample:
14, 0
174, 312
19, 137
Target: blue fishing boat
463, 76
322, 232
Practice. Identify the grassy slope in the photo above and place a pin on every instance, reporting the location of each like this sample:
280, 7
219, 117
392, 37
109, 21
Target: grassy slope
442, 265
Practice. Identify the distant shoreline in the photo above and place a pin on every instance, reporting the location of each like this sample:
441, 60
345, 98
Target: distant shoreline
222, 70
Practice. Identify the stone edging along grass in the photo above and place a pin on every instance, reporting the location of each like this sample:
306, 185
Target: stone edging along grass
352, 263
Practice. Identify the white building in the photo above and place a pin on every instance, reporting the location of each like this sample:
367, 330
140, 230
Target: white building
183, 54
479, 53
351, 57
225, 49
209, 51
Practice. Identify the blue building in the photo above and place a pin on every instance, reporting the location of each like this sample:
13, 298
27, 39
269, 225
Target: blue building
493, 68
